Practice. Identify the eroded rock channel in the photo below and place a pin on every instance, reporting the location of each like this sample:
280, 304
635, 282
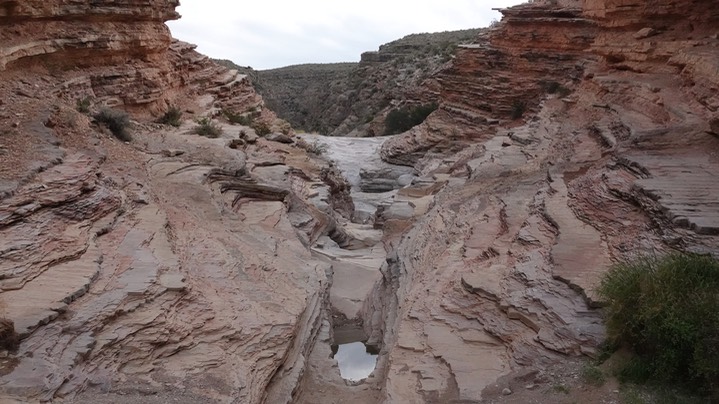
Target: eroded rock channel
356, 268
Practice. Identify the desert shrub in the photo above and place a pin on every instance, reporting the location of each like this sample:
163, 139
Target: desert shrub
83, 105
667, 310
172, 117
237, 118
592, 375
563, 91
553, 87
285, 128
402, 119
116, 121
261, 128
518, 108
315, 147
9, 339
207, 128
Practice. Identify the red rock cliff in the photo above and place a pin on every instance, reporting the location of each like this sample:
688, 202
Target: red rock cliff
507, 72
126, 52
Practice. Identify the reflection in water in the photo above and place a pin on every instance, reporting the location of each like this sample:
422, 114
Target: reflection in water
355, 362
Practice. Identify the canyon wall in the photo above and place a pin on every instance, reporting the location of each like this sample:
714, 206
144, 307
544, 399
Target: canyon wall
121, 52
571, 136
142, 268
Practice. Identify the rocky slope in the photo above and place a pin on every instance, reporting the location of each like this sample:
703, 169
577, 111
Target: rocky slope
350, 98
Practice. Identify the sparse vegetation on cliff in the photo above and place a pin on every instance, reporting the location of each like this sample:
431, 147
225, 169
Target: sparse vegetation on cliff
554, 87
239, 119
8, 337
116, 121
667, 311
172, 117
402, 119
208, 128
314, 147
518, 108
83, 105
261, 128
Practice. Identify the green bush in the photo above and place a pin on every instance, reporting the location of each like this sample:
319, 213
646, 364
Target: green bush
403, 119
238, 119
315, 147
9, 339
563, 91
116, 121
667, 310
553, 87
550, 87
207, 128
518, 108
83, 105
592, 375
172, 117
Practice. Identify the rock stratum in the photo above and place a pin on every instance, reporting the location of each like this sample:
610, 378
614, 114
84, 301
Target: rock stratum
180, 268
123, 51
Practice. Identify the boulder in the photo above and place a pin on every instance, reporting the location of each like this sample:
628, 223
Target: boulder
645, 33
236, 143
280, 138
249, 137
172, 152
385, 178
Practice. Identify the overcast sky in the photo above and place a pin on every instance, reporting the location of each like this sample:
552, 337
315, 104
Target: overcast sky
274, 33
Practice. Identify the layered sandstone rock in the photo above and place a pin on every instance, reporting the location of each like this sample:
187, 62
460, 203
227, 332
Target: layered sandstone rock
512, 67
146, 270
66, 34
499, 276
138, 67
129, 268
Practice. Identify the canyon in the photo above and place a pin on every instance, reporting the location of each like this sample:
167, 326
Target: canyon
353, 99
174, 267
